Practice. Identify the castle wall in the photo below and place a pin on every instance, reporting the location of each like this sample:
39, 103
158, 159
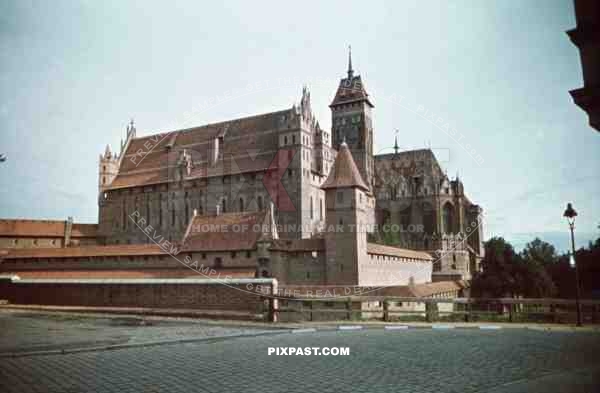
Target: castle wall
380, 270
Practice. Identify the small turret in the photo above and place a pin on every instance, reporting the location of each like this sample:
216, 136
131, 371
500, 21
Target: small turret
347, 206
108, 168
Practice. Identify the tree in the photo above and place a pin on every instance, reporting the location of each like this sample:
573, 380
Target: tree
506, 273
538, 256
499, 271
540, 252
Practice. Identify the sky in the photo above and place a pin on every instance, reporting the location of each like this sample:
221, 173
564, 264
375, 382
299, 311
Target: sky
483, 83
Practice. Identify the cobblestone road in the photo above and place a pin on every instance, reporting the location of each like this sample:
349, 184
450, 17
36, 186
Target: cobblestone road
414, 360
23, 331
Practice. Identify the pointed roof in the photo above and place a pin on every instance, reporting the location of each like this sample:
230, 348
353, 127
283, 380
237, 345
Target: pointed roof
351, 88
344, 172
350, 70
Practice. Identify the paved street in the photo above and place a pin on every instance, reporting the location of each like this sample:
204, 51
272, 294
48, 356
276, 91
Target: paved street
24, 331
413, 360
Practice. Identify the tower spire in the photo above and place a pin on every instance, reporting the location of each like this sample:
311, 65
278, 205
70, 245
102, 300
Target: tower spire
350, 70
396, 145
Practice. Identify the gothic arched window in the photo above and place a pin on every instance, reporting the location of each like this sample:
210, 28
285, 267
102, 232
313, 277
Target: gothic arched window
448, 218
428, 218
260, 202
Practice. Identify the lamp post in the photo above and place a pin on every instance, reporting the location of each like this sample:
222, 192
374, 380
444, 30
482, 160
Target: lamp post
570, 215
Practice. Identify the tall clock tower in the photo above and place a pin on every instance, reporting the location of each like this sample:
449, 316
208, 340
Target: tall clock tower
351, 122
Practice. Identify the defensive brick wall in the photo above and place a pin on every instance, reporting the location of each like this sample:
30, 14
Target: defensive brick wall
205, 294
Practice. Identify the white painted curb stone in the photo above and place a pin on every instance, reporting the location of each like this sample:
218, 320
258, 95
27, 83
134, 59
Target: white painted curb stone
350, 327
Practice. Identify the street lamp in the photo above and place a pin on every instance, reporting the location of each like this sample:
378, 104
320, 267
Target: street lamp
570, 215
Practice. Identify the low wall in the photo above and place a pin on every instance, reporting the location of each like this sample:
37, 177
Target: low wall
188, 293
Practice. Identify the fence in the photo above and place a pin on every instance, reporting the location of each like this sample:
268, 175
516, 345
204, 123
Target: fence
436, 309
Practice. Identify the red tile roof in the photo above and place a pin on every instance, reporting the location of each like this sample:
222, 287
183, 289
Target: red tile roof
44, 228
380, 249
84, 251
341, 291
147, 159
351, 90
224, 232
344, 172
435, 288
145, 273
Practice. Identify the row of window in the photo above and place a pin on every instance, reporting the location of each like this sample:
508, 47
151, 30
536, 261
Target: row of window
305, 140
35, 242
187, 210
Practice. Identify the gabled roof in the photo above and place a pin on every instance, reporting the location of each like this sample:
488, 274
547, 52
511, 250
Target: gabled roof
147, 159
351, 89
224, 232
344, 172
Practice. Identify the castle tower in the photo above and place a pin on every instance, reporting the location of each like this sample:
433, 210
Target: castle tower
351, 121
347, 204
108, 167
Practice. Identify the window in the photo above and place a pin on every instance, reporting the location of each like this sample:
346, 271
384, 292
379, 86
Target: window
160, 212
311, 208
260, 202
218, 263
340, 196
203, 255
224, 205
447, 218
187, 211
173, 214
285, 140
321, 209
241, 204
307, 274
248, 254
294, 139
233, 254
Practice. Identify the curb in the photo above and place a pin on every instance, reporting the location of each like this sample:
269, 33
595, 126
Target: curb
138, 345
350, 327
305, 330
395, 327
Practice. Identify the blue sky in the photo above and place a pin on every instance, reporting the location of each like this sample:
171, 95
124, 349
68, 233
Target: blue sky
497, 73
